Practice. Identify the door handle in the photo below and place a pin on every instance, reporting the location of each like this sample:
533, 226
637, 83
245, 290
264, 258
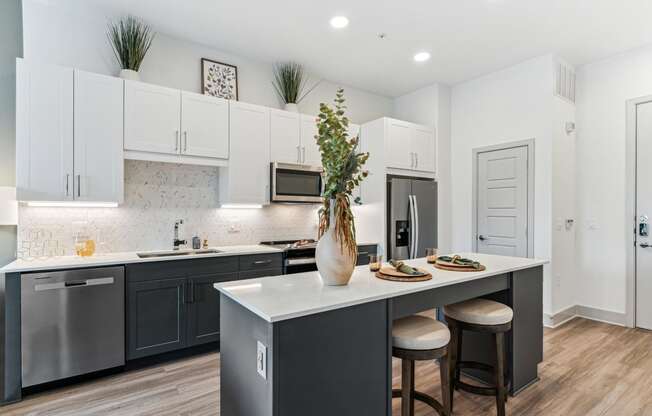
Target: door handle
482, 238
645, 245
185, 141
298, 153
78, 185
416, 160
260, 262
176, 141
67, 184
303, 157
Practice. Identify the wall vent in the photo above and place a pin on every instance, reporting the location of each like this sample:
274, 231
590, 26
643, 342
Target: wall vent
564, 81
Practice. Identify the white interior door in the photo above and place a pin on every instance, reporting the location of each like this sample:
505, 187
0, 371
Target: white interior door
285, 133
99, 162
204, 125
502, 199
644, 215
309, 148
152, 118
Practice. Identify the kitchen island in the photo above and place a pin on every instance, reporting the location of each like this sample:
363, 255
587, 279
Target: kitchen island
292, 346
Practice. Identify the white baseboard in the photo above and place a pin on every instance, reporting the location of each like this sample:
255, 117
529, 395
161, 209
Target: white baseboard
582, 311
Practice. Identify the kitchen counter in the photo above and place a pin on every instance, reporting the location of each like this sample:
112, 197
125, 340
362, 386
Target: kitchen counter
109, 259
289, 344
286, 297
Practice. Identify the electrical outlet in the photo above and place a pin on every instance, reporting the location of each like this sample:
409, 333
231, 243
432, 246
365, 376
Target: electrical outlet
234, 228
261, 360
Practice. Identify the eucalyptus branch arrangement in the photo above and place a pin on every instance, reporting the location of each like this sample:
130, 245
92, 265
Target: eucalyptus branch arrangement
343, 171
130, 39
290, 82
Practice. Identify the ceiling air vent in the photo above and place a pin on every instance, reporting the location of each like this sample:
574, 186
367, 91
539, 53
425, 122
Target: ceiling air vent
565, 82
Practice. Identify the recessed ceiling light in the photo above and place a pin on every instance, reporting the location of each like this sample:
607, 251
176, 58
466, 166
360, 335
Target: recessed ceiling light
339, 22
421, 56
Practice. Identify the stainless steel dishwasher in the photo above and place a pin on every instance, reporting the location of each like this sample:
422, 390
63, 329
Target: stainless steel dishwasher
72, 323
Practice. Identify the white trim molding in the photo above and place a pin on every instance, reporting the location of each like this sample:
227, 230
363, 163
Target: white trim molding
587, 312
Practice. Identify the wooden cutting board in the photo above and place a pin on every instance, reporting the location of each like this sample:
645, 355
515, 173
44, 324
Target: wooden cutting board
390, 273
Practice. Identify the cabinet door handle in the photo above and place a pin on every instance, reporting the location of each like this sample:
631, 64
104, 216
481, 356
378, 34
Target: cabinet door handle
260, 262
298, 153
78, 185
303, 158
67, 184
176, 140
416, 160
185, 141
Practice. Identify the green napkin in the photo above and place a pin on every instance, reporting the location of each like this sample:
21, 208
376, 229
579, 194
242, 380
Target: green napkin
407, 269
460, 261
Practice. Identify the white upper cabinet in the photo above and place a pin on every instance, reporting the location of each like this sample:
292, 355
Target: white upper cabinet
98, 132
398, 144
204, 126
152, 118
409, 146
246, 179
424, 148
44, 132
285, 132
310, 154
69, 130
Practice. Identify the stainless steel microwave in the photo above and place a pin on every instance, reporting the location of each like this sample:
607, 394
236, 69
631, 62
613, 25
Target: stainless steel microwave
296, 183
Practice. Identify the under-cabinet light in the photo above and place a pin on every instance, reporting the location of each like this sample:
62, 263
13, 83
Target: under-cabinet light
241, 206
72, 204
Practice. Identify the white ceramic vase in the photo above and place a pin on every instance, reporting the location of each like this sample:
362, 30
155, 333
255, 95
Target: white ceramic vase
129, 74
335, 265
292, 107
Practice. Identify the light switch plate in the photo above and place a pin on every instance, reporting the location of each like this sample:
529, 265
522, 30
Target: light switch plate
261, 360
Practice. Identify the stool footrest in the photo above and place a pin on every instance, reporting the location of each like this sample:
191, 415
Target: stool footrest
485, 391
424, 398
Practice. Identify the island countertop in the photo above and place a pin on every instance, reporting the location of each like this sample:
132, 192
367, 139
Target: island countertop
290, 296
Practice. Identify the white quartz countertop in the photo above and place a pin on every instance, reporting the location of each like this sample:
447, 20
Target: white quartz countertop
290, 296
71, 262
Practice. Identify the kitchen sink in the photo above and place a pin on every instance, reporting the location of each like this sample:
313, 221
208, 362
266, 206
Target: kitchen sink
173, 253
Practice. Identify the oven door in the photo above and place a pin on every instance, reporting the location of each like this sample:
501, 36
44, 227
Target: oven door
296, 183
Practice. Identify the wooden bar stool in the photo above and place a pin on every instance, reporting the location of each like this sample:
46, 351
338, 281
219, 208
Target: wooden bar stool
479, 315
419, 338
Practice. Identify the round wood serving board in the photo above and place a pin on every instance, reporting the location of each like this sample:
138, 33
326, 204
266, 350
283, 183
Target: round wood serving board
458, 268
390, 273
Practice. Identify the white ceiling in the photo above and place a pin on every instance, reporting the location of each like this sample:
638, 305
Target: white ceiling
466, 38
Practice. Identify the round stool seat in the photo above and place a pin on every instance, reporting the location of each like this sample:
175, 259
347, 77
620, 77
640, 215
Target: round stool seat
480, 312
419, 333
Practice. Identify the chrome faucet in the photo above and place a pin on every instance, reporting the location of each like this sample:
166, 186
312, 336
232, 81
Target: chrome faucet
176, 243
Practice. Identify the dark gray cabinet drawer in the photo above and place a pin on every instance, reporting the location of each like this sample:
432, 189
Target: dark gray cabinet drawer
172, 269
252, 274
156, 317
261, 262
364, 252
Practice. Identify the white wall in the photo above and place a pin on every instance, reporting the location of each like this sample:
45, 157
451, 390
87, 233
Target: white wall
10, 48
509, 105
431, 105
73, 33
604, 227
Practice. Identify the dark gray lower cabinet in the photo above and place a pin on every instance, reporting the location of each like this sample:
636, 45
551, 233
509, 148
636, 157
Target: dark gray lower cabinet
156, 317
204, 308
173, 304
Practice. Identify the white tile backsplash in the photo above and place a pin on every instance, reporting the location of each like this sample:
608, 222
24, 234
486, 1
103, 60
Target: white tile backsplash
156, 195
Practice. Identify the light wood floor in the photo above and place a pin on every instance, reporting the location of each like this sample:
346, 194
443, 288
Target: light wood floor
590, 369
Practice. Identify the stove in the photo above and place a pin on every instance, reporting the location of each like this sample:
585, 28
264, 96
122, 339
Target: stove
299, 255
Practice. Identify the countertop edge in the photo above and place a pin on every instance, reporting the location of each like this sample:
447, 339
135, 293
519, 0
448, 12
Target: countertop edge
129, 258
222, 288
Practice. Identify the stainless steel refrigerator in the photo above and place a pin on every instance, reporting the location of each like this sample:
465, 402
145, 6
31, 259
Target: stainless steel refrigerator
411, 217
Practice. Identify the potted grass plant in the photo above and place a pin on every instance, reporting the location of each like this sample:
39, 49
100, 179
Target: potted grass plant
336, 252
290, 84
130, 39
